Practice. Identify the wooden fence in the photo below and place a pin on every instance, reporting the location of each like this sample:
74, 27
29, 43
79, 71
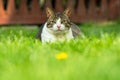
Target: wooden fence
32, 12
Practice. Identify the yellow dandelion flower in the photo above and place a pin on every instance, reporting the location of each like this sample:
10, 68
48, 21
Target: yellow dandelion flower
61, 56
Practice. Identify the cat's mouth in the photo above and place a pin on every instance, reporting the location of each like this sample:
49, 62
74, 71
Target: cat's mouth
59, 30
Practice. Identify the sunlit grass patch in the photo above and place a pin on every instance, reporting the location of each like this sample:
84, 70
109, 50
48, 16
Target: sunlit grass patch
94, 57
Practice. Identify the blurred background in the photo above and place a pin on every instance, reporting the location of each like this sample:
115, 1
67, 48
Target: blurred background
33, 11
94, 57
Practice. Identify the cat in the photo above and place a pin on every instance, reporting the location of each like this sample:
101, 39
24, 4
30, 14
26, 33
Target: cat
58, 27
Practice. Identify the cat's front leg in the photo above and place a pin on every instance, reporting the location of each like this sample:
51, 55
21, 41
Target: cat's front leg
47, 38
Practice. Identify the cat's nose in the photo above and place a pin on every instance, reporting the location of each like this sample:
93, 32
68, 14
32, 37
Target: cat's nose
58, 26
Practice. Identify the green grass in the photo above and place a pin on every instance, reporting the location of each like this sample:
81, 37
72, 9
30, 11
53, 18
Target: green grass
95, 57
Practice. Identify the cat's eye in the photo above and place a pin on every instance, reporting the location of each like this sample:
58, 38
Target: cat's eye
64, 21
52, 21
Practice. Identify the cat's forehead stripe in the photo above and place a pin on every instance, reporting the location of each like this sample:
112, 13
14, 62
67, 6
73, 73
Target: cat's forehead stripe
58, 22
60, 15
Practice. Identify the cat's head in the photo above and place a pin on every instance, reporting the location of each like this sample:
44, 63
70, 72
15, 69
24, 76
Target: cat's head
58, 22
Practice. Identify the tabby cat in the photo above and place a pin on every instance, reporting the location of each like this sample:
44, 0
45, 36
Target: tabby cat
58, 27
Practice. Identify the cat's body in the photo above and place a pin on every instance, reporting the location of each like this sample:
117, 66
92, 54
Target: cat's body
58, 28
47, 36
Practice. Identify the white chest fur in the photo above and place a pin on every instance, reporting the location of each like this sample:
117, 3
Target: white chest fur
47, 36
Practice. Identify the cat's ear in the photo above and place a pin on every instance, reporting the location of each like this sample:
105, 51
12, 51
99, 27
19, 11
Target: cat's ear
67, 12
49, 12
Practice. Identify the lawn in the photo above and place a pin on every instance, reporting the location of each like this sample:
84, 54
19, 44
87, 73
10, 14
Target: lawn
95, 57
